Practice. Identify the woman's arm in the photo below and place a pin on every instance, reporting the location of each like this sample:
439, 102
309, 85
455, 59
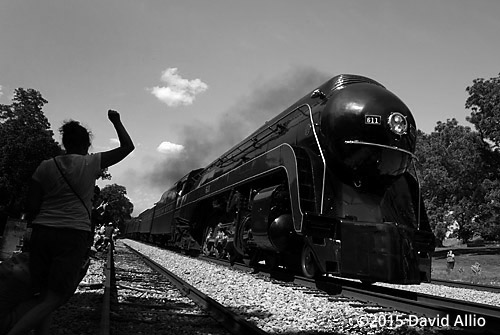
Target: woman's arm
112, 157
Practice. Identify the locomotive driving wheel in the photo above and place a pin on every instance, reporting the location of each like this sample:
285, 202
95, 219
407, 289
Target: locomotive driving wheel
242, 235
207, 247
308, 263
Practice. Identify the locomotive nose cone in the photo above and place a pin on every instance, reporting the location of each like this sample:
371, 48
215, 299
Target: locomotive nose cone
369, 130
370, 113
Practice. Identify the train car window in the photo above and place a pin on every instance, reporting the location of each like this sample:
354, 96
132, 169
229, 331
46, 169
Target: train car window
167, 195
218, 173
187, 187
180, 192
171, 195
193, 178
207, 177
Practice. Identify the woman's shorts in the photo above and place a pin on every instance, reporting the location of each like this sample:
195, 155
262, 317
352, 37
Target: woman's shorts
56, 258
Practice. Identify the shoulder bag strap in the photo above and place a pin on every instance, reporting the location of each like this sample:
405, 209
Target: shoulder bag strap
71, 187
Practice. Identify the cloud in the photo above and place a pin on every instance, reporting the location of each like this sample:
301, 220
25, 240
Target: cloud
1, 93
178, 91
169, 148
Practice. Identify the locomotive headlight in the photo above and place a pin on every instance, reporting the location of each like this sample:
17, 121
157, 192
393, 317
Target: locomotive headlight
397, 123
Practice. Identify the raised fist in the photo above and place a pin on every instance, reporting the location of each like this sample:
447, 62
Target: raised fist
113, 116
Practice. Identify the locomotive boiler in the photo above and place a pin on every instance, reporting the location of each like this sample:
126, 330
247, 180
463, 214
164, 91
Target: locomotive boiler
327, 186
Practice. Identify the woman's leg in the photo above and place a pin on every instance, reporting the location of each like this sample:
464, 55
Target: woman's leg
44, 327
39, 314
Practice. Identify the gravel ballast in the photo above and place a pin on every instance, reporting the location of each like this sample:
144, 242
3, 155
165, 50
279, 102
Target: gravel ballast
280, 309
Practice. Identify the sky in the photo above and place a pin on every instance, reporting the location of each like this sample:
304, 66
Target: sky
191, 78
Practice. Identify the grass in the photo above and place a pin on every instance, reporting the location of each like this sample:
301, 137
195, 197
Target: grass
465, 261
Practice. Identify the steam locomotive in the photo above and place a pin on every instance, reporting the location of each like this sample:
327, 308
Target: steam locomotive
328, 186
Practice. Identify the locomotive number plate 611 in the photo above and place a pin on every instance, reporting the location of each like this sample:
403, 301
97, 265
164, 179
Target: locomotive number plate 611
373, 119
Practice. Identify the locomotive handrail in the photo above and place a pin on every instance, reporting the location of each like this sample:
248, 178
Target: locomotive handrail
381, 146
320, 152
419, 195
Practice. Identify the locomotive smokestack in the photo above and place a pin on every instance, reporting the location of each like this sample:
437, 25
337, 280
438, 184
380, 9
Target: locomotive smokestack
317, 93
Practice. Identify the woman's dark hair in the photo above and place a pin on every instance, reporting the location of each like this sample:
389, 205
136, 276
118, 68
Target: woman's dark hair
74, 135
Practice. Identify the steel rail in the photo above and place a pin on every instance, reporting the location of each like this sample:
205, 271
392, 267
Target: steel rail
109, 287
231, 321
422, 304
413, 303
479, 287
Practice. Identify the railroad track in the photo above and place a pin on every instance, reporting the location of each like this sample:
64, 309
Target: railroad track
420, 308
479, 287
141, 294
424, 307
109, 290
329, 304
230, 320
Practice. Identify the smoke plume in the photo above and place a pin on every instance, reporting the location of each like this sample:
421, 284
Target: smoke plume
263, 103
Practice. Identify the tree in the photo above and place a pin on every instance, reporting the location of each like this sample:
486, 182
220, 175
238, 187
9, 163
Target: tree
460, 168
490, 210
116, 206
452, 170
25, 140
484, 101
